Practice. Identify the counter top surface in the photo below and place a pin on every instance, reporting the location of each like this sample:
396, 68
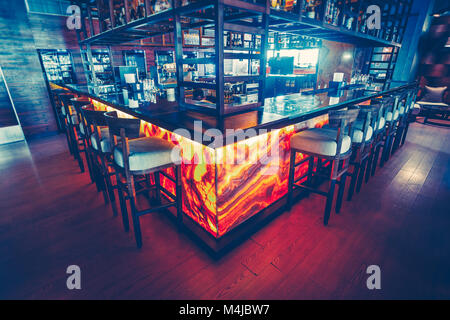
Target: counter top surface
276, 113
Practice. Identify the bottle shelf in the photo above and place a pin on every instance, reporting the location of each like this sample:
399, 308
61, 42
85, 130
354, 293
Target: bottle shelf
340, 20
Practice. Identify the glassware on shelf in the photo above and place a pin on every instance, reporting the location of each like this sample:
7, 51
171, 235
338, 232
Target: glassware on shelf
312, 9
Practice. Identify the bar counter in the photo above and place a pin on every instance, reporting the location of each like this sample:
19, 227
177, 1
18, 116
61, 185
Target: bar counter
276, 113
231, 179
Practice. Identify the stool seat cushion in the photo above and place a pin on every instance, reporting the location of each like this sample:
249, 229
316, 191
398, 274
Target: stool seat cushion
319, 141
82, 130
389, 116
358, 134
147, 153
105, 143
432, 104
74, 118
382, 123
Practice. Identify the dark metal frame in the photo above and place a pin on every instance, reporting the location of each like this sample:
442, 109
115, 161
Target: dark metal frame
274, 20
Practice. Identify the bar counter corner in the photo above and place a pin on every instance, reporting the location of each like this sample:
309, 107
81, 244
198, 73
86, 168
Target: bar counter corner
224, 200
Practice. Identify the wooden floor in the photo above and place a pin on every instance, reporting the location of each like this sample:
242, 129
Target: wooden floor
52, 217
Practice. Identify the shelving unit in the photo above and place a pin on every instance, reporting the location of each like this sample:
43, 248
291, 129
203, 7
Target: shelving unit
384, 59
166, 69
58, 66
206, 26
136, 58
97, 64
234, 68
337, 20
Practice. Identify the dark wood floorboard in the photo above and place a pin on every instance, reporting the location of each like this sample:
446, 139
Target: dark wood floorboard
52, 217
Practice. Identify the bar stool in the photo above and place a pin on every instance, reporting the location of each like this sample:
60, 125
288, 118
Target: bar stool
133, 157
57, 103
378, 136
100, 153
71, 123
81, 131
392, 119
63, 99
330, 144
410, 107
362, 139
403, 110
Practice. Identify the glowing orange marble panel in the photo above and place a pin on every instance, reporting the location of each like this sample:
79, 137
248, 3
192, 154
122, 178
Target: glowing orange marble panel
197, 173
220, 194
245, 188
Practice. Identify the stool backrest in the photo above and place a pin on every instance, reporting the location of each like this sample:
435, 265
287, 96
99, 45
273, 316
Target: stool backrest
380, 112
78, 103
94, 120
411, 98
65, 101
370, 117
123, 127
386, 104
397, 102
342, 120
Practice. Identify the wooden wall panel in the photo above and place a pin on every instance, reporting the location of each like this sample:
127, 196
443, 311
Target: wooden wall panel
50, 32
22, 69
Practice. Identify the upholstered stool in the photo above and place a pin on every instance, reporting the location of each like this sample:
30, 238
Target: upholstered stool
57, 104
405, 120
403, 110
410, 116
392, 120
136, 156
331, 144
72, 122
363, 137
79, 125
64, 99
100, 153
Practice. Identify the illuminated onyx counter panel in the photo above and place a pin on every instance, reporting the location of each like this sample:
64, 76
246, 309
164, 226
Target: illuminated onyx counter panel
227, 182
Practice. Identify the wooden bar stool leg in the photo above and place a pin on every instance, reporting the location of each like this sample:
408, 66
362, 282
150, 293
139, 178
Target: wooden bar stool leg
384, 154
96, 173
354, 175
68, 138
341, 192
369, 165
109, 186
158, 187
310, 170
291, 179
135, 213
179, 198
100, 178
405, 132
77, 150
69, 144
88, 160
375, 160
389, 149
330, 197
123, 204
362, 170
397, 139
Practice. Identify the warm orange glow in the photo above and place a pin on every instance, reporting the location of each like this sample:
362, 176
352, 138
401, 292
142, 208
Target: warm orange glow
243, 188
